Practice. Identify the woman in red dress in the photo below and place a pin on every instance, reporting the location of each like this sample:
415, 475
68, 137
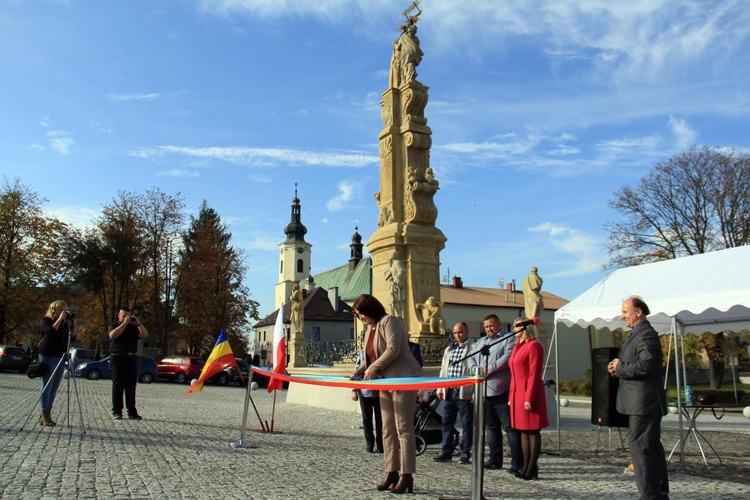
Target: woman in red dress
528, 404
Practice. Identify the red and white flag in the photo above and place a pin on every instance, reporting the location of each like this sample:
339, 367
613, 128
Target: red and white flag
279, 351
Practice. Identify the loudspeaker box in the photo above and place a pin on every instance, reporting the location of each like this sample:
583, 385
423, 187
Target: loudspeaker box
604, 390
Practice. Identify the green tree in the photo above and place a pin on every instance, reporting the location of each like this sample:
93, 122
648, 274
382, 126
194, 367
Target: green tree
108, 262
713, 344
161, 217
31, 263
210, 295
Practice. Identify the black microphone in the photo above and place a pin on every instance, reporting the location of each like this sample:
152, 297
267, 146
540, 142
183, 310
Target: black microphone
528, 322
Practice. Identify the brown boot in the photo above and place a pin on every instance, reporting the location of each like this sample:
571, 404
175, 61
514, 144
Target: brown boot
391, 479
46, 419
405, 483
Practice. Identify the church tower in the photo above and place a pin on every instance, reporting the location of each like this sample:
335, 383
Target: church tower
356, 249
294, 255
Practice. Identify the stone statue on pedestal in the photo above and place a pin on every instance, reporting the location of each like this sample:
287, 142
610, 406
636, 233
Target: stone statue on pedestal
432, 319
297, 315
396, 276
406, 54
531, 287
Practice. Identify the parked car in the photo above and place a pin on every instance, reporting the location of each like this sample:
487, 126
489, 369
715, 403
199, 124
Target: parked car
94, 370
244, 367
181, 369
80, 355
13, 358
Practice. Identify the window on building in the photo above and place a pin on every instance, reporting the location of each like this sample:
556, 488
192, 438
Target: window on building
281, 267
300, 266
316, 333
351, 333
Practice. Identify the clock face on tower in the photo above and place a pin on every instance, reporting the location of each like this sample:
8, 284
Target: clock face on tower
300, 250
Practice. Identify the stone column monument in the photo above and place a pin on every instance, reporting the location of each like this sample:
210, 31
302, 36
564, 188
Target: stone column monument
406, 246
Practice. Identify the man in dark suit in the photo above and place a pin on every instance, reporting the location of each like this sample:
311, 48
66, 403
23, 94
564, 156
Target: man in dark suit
641, 396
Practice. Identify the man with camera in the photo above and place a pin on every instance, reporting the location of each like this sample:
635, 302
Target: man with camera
123, 362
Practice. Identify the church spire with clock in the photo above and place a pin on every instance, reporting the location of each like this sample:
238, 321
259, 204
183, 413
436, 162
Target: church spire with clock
294, 255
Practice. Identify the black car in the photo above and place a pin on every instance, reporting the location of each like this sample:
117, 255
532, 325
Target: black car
244, 367
13, 358
232, 375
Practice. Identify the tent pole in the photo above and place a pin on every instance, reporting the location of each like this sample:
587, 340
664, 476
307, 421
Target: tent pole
679, 390
669, 358
557, 382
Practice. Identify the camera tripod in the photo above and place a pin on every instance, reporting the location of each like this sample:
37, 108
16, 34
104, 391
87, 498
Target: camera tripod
66, 367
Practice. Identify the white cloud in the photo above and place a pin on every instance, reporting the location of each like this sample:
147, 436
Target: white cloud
259, 157
346, 191
684, 135
583, 250
76, 216
60, 141
119, 98
563, 149
178, 172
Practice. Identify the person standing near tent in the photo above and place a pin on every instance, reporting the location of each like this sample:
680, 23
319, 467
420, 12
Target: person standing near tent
641, 396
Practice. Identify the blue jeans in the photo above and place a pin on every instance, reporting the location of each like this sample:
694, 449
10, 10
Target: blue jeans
48, 395
498, 418
452, 405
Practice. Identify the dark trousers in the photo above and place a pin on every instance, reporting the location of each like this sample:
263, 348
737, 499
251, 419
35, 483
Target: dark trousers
124, 370
371, 407
452, 406
647, 454
497, 419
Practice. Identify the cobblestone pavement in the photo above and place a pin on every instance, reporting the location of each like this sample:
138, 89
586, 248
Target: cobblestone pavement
181, 450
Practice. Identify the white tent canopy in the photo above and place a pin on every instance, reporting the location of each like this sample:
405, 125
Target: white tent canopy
702, 293
710, 292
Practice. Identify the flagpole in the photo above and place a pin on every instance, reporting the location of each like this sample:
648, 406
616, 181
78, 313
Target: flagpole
273, 411
242, 443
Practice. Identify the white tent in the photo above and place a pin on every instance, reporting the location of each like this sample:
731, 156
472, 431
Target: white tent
709, 292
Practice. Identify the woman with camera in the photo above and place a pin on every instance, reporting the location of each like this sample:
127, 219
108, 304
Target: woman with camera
57, 325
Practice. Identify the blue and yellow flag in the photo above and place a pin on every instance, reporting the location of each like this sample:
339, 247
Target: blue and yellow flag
220, 359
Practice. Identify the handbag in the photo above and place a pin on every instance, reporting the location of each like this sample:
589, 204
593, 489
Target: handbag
35, 368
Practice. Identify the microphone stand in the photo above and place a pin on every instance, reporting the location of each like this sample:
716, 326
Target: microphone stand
480, 396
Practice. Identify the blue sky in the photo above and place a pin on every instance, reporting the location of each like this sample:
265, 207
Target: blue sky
539, 110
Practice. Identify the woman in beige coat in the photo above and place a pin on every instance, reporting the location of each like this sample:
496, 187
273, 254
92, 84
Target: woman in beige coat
387, 355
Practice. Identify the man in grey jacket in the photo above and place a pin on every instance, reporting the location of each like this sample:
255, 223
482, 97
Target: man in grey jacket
500, 345
457, 399
641, 396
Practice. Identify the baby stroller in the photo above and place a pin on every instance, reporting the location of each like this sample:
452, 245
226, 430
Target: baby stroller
428, 425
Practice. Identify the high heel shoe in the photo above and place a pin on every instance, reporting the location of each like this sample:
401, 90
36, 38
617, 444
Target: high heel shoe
533, 476
391, 479
406, 483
